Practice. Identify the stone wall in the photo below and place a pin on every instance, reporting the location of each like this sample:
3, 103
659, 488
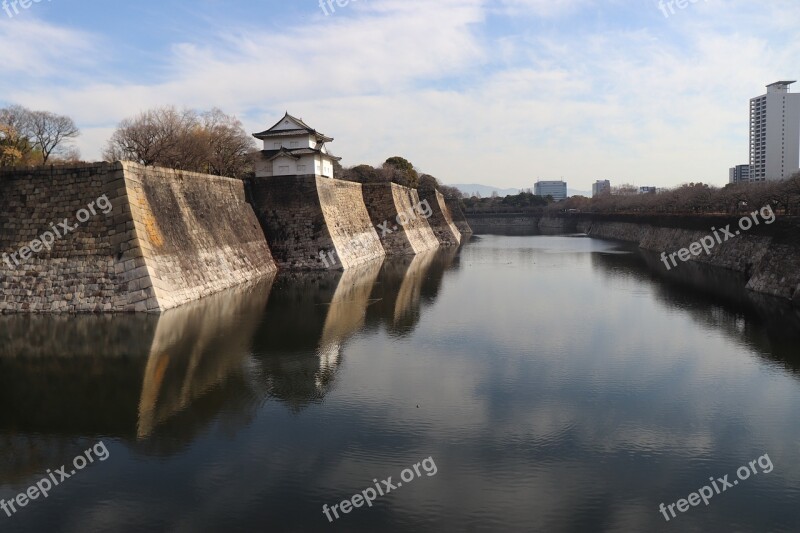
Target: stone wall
458, 217
305, 216
162, 239
196, 234
555, 224
441, 219
81, 271
395, 210
768, 255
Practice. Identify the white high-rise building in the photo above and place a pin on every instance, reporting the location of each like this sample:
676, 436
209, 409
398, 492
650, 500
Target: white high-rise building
775, 133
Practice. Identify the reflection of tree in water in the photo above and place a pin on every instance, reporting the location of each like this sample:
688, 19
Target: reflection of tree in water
716, 298
309, 317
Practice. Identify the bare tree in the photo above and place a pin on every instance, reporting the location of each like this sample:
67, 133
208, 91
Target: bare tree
152, 137
214, 143
229, 146
49, 132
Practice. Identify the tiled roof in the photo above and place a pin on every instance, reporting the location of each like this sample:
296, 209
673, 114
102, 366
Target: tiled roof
295, 153
304, 129
280, 133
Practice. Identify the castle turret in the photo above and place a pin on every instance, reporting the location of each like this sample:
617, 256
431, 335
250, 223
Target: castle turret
293, 148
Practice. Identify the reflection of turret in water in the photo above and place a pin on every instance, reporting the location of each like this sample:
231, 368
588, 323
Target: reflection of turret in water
309, 318
73, 379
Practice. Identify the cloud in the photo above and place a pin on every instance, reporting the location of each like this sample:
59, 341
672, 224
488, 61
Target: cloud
457, 86
543, 8
34, 49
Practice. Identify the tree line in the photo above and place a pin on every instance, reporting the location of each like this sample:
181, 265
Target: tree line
29, 137
696, 198
211, 142
525, 202
690, 198
397, 170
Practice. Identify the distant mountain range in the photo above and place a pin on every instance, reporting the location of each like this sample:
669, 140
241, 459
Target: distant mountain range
486, 190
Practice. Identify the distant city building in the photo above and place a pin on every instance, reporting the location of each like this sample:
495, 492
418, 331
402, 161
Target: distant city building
775, 133
293, 148
739, 174
647, 190
601, 187
556, 189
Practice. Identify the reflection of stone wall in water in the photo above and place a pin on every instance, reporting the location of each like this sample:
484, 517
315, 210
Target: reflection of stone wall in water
718, 299
396, 297
444, 260
127, 377
348, 306
196, 349
309, 317
407, 304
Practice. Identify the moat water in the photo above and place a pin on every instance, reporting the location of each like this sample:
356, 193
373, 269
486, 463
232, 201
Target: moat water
557, 383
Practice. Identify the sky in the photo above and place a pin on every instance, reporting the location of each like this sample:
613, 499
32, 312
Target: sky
497, 92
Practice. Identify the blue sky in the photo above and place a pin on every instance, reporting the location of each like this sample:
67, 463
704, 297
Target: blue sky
497, 92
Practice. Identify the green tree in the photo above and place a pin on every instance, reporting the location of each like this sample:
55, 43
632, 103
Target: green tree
402, 172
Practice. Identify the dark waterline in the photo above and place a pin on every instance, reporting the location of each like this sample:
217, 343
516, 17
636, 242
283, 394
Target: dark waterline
558, 383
